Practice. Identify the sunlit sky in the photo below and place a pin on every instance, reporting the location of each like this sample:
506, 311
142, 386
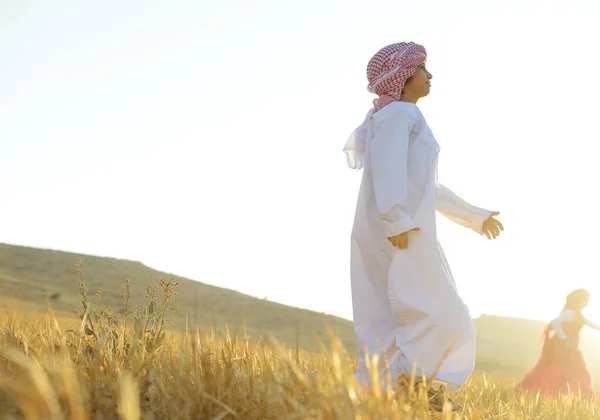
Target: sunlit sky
205, 138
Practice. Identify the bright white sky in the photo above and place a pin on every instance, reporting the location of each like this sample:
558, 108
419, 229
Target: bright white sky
205, 138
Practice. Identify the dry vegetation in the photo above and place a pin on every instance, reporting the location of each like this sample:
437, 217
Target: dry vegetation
30, 276
506, 347
127, 364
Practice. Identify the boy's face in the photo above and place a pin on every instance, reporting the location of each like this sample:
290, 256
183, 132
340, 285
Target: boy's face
419, 85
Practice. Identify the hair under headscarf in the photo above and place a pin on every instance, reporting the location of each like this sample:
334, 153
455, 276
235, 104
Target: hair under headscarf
387, 73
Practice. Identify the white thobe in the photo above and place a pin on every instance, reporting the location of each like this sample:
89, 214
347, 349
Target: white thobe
405, 302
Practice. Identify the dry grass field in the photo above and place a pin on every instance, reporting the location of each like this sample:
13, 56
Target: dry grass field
139, 357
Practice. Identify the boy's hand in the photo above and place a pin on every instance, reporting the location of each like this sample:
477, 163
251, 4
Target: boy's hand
492, 227
401, 241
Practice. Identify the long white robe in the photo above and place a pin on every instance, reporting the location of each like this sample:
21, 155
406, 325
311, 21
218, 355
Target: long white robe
405, 302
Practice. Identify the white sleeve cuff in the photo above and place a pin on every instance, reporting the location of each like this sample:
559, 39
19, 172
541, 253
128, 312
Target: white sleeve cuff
396, 228
479, 217
396, 222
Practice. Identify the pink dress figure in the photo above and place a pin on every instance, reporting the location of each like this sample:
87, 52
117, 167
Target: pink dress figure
561, 368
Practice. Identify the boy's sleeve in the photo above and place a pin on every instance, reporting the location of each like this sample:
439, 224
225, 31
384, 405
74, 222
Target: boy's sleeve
458, 210
389, 166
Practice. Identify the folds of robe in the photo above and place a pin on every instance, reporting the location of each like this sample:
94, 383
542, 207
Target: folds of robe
405, 304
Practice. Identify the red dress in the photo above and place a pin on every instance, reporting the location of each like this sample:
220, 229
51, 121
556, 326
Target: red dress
560, 369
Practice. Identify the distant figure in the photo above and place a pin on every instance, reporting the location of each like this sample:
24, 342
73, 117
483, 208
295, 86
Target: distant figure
561, 369
406, 305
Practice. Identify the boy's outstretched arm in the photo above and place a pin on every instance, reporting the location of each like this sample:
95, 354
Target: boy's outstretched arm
459, 211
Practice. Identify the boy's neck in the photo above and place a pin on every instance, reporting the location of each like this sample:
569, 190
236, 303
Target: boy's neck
409, 99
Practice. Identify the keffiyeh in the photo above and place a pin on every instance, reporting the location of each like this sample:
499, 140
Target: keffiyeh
387, 73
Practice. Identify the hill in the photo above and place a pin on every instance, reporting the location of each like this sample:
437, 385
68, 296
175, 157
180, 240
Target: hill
30, 276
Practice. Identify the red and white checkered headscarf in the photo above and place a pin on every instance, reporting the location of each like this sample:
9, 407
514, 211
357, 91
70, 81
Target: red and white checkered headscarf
389, 70
387, 73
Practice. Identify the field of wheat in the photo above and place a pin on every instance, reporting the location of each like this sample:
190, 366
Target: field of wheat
127, 364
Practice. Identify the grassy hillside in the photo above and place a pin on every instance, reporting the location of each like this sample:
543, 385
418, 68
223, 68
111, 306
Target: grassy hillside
49, 372
30, 277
